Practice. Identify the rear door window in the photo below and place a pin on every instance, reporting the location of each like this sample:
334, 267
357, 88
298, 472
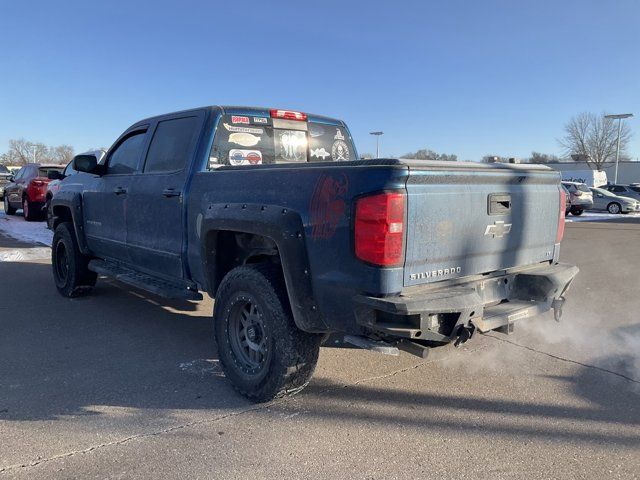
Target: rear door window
255, 140
172, 145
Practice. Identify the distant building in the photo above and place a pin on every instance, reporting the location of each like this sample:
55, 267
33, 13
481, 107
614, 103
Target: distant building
628, 172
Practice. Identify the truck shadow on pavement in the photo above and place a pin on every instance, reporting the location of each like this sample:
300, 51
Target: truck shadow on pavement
63, 358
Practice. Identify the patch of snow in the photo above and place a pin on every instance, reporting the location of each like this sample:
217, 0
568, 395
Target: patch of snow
599, 217
17, 227
25, 254
202, 367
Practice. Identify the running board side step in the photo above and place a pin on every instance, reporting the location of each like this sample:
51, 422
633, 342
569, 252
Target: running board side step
149, 283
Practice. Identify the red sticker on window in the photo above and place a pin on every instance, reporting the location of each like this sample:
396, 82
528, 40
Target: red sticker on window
236, 119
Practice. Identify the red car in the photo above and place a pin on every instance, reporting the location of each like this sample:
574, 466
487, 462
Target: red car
28, 190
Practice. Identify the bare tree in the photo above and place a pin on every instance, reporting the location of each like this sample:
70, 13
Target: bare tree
537, 157
61, 154
593, 138
427, 154
22, 151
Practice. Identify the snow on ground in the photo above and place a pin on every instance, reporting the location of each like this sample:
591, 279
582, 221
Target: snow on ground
32, 232
35, 233
599, 217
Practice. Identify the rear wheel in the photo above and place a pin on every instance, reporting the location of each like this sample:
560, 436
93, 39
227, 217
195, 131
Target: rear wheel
28, 211
262, 351
614, 208
8, 209
577, 211
70, 267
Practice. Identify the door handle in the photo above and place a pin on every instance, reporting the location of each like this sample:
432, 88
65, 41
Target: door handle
119, 190
171, 192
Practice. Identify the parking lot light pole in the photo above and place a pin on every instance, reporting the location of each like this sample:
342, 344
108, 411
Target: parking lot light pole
377, 135
619, 116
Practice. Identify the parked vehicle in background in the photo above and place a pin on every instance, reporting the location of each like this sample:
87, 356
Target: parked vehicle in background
56, 178
631, 191
28, 190
272, 213
567, 199
5, 179
581, 197
591, 178
604, 200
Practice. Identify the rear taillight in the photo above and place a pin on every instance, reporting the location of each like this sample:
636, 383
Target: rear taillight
288, 115
563, 208
379, 229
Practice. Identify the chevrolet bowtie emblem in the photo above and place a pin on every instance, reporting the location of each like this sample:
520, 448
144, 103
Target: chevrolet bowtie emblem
498, 229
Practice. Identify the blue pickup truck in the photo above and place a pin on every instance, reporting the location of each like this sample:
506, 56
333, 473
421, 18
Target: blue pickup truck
273, 215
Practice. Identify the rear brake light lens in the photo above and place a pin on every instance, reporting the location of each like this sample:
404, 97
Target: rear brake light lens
379, 229
563, 208
288, 115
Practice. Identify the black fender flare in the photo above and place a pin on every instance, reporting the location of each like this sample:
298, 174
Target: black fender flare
285, 228
72, 201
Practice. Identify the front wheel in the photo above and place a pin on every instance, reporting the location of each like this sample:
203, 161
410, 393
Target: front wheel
8, 209
262, 351
614, 208
70, 267
577, 211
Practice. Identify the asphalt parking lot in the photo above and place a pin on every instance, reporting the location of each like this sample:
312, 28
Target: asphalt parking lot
122, 384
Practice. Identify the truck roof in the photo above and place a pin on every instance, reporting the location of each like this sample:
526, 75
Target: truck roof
243, 110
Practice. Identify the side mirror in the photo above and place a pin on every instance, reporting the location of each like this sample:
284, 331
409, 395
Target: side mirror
12, 178
85, 163
54, 175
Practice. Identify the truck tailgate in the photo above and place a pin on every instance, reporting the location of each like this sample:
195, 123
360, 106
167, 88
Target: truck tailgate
465, 219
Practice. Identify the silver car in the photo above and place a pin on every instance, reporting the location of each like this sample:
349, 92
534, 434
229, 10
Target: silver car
631, 191
612, 203
581, 198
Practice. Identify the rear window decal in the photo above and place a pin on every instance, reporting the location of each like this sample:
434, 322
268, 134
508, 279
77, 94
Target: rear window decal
340, 151
245, 157
238, 119
232, 128
260, 120
291, 145
338, 135
319, 153
244, 139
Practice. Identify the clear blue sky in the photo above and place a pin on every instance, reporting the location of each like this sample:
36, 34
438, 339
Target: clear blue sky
463, 77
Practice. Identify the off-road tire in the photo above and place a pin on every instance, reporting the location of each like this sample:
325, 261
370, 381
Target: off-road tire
8, 209
70, 272
612, 207
291, 353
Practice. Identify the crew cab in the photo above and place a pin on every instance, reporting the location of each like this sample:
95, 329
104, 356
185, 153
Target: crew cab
28, 190
270, 213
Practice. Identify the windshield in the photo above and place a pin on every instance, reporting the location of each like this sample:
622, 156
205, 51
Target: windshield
44, 171
253, 140
583, 188
606, 193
